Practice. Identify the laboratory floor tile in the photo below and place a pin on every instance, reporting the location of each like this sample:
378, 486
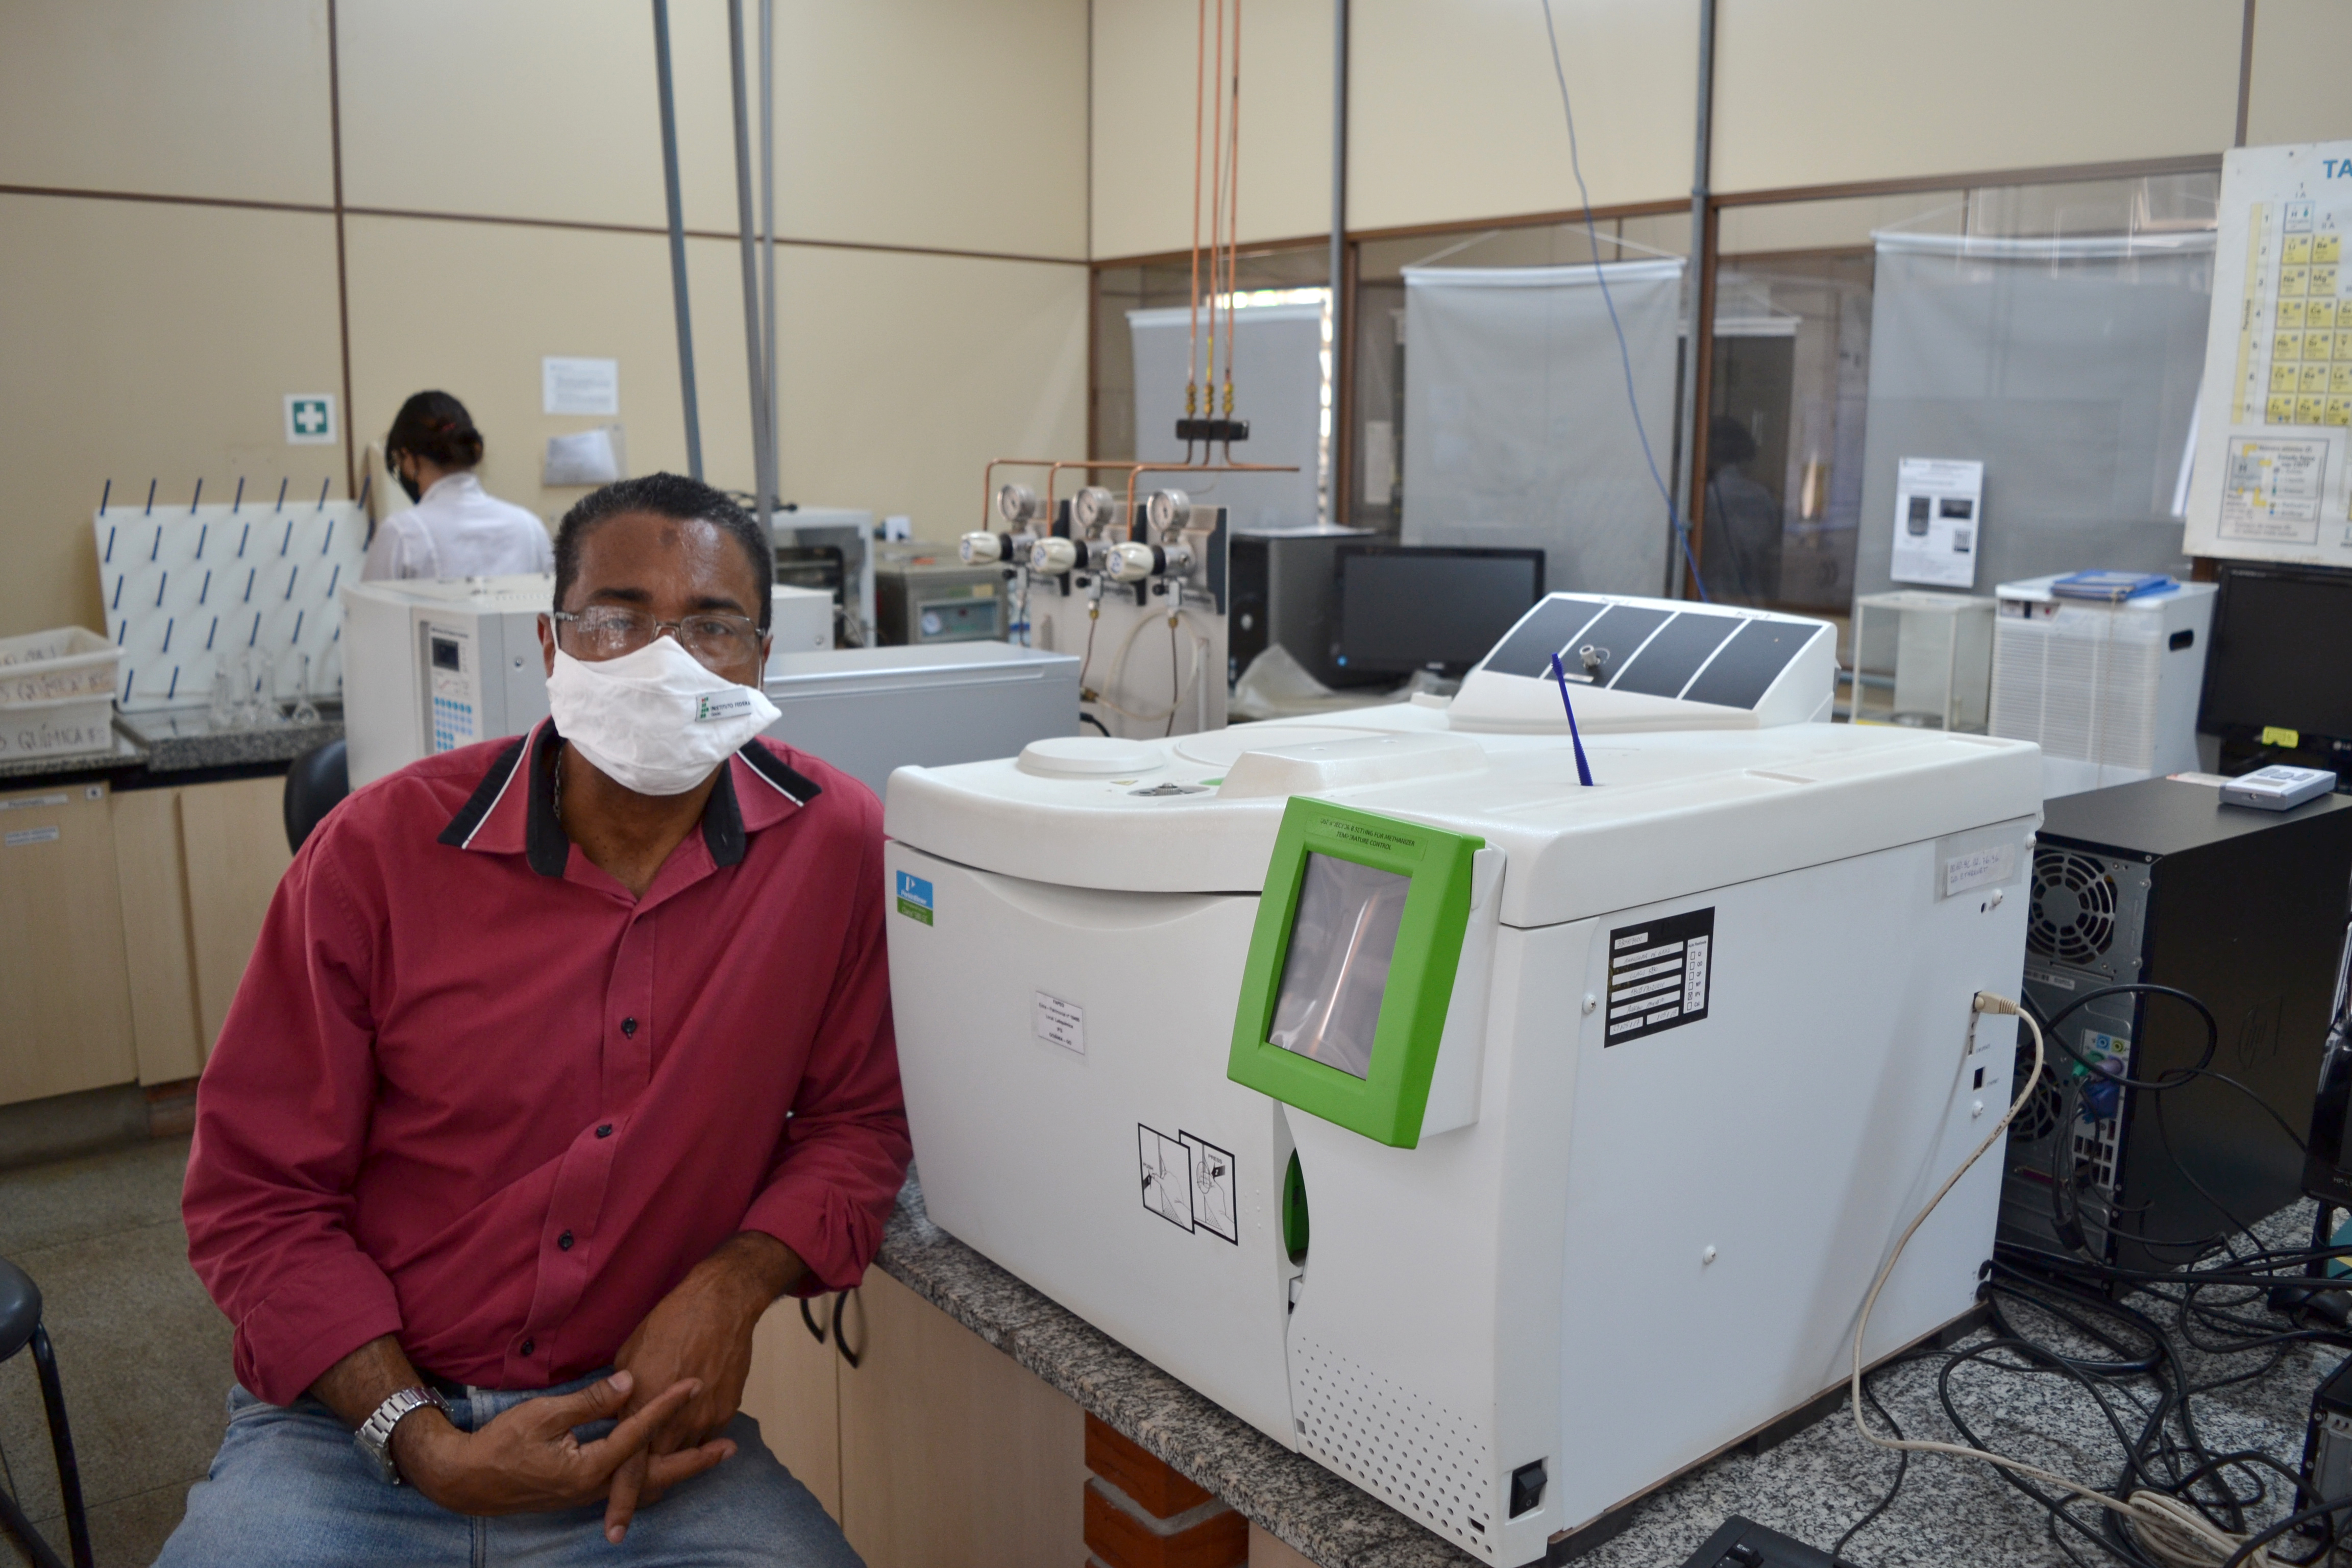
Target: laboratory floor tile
143, 1354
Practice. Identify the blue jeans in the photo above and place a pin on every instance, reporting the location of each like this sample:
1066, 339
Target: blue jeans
289, 1488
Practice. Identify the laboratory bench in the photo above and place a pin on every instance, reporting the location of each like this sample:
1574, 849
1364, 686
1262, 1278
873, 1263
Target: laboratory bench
964, 1417
132, 884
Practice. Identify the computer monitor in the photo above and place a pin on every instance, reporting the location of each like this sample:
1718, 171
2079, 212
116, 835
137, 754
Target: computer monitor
1405, 607
2282, 644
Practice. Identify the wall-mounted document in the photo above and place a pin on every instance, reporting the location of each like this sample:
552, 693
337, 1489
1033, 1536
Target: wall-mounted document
1938, 516
2270, 480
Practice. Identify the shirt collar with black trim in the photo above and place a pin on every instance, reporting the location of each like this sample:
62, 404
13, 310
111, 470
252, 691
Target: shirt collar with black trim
512, 810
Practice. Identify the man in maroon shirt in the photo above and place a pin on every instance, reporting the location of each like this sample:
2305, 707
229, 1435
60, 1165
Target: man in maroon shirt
556, 1055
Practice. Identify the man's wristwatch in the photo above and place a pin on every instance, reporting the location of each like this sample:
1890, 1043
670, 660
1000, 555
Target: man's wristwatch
374, 1436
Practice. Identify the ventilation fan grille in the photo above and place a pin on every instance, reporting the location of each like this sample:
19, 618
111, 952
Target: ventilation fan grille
2046, 1109
2074, 907
1406, 1449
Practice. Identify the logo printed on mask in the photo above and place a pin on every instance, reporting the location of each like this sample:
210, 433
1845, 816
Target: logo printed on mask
717, 707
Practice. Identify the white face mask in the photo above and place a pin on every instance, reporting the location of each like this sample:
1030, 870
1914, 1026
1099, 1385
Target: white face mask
654, 720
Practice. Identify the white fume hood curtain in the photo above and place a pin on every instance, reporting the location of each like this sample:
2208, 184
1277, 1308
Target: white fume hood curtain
2068, 367
1516, 430
1277, 387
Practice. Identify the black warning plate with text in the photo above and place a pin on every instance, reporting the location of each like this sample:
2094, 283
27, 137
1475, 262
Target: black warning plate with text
1658, 975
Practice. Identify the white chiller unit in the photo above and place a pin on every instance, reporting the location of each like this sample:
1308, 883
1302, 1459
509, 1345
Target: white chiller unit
1505, 1144
2107, 691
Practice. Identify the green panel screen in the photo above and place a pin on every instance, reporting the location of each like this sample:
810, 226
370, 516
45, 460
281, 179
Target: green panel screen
1351, 966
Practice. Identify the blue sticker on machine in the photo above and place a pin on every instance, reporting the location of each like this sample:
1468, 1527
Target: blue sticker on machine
1658, 975
914, 897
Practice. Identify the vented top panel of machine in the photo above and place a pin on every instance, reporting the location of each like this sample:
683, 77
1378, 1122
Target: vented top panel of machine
1652, 664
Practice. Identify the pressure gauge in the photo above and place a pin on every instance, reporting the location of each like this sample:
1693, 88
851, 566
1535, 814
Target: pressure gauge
1092, 507
980, 549
1169, 512
1016, 504
1052, 557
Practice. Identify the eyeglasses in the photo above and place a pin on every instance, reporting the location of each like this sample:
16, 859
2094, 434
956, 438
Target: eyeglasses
716, 640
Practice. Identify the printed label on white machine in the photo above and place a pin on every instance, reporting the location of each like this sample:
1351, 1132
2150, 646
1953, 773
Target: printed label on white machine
1063, 1023
1658, 974
1976, 868
1166, 1176
1189, 1182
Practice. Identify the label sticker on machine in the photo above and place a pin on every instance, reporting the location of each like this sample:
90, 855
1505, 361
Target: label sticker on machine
23, 836
914, 897
1658, 974
1189, 1182
1063, 1023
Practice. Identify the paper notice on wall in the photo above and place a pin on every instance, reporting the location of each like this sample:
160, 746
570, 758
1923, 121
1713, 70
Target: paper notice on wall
2270, 479
595, 457
580, 385
1938, 513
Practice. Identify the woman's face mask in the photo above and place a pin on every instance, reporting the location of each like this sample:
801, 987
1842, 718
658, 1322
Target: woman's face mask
654, 720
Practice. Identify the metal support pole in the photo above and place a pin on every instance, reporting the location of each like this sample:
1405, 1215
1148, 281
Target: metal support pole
1334, 490
763, 486
678, 243
1694, 281
768, 238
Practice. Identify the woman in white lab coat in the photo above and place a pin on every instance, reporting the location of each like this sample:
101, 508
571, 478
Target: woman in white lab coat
456, 528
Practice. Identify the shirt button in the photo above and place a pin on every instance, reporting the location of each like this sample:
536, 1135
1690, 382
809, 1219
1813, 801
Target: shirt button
528, 1346
564, 1241
628, 1025
604, 1130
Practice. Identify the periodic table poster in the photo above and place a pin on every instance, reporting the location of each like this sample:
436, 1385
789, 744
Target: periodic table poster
2271, 479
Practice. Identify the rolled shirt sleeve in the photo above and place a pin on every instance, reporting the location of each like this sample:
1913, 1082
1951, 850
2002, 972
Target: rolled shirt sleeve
281, 1122
845, 1148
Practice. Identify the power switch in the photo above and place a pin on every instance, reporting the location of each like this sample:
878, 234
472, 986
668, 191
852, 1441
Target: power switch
1526, 1489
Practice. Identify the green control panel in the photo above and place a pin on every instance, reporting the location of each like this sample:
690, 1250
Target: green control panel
1351, 966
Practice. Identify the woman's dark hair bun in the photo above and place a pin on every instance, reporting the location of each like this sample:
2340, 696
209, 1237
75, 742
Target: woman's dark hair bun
435, 427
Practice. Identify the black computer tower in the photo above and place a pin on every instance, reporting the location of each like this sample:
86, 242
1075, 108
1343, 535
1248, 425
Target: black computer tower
2159, 882
1284, 592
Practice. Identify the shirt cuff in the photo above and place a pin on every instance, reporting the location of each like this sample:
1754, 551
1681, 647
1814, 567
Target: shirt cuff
836, 1237
310, 1322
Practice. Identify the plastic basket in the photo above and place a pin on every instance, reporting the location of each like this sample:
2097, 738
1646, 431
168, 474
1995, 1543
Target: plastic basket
57, 729
51, 666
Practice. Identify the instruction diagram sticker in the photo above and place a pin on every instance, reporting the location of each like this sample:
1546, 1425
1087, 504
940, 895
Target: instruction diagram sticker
1166, 1176
1213, 1206
914, 897
1063, 1023
1189, 1182
1658, 975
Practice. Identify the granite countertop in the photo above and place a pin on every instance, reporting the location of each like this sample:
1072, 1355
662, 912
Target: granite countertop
176, 740
181, 740
1950, 1512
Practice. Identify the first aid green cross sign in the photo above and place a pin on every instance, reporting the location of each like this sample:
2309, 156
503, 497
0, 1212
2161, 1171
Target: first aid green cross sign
310, 418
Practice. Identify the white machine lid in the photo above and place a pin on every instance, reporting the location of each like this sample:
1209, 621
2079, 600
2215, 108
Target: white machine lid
928, 664
1670, 813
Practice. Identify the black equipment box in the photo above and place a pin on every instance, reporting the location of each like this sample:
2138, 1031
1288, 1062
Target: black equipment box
2159, 882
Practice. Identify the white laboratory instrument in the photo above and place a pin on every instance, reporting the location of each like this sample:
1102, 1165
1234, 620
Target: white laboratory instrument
797, 530
2107, 691
431, 666
1505, 1144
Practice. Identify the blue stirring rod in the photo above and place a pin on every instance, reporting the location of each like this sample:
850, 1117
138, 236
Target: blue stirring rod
1583, 772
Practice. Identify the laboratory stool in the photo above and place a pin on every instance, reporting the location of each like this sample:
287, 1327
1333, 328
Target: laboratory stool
20, 1325
315, 781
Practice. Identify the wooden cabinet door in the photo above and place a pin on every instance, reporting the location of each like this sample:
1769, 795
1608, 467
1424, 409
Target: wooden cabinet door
66, 1024
233, 838
951, 1450
793, 1393
153, 877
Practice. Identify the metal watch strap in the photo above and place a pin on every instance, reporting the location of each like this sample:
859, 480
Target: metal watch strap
374, 1436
